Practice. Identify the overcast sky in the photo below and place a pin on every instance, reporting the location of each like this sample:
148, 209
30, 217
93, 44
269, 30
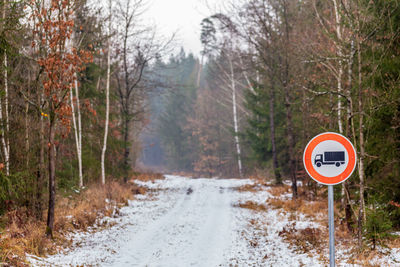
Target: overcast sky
181, 16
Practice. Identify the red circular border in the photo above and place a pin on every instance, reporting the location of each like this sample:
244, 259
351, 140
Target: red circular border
307, 159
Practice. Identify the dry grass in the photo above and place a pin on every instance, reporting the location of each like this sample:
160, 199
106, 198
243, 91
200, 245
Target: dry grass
24, 234
249, 188
304, 240
365, 258
252, 206
96, 201
279, 190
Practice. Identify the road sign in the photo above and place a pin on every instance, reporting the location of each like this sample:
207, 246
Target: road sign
329, 158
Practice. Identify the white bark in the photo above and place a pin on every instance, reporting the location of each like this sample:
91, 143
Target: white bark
76, 118
6, 150
6, 130
235, 119
103, 151
7, 116
78, 109
340, 71
77, 129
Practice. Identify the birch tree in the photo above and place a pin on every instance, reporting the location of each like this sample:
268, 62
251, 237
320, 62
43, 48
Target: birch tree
103, 151
5, 129
210, 46
76, 119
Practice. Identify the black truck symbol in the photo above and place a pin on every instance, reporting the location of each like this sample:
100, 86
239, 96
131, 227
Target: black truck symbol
330, 158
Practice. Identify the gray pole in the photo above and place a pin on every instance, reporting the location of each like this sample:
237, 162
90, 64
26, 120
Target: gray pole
331, 227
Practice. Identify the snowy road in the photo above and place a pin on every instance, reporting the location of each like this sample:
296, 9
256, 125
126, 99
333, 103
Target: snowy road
194, 232
186, 222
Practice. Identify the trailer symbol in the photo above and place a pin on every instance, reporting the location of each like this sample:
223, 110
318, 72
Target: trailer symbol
330, 158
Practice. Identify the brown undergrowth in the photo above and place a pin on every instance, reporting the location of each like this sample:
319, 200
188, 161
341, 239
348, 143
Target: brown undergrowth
249, 188
251, 205
24, 234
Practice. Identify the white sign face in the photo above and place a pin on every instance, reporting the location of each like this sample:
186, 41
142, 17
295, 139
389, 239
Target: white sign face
330, 158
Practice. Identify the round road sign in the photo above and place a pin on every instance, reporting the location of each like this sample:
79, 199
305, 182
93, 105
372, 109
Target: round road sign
329, 158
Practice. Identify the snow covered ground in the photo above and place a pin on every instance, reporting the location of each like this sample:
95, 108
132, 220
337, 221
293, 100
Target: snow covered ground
189, 222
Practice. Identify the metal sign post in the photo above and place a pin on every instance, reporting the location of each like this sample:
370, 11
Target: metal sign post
330, 158
331, 227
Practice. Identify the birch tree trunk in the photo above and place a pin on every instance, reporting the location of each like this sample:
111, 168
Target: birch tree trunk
4, 141
235, 118
103, 151
6, 129
340, 70
78, 109
6, 113
77, 129
339, 77
350, 133
77, 117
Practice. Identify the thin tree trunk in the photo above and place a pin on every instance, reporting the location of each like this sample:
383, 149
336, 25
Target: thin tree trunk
27, 134
346, 201
126, 152
199, 71
340, 71
52, 177
103, 151
126, 108
289, 123
275, 164
361, 214
6, 140
6, 113
41, 169
76, 117
292, 162
235, 119
78, 109
3, 129
77, 132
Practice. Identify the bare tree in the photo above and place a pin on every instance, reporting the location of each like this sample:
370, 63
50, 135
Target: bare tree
139, 46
